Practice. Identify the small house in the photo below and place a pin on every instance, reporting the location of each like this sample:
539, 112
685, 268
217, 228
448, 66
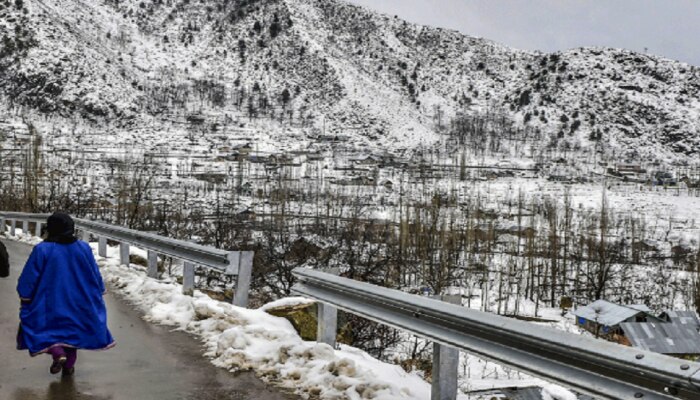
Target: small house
369, 160
646, 246
246, 215
662, 178
243, 148
515, 230
559, 178
672, 339
604, 318
245, 189
315, 157
680, 252
683, 318
257, 158
515, 393
484, 232
195, 119
630, 169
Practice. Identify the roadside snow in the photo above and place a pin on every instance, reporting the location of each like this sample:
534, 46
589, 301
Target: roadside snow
240, 339
286, 302
552, 392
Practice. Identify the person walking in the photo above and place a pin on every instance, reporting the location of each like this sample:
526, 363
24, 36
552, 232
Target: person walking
4, 262
60, 290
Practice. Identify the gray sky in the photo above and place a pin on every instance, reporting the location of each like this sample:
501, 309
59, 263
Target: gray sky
670, 28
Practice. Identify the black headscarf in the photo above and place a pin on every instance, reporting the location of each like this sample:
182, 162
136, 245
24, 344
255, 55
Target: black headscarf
61, 229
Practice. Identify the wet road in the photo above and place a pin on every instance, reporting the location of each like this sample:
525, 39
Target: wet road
149, 362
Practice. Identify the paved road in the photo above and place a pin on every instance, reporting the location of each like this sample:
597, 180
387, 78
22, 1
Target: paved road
149, 362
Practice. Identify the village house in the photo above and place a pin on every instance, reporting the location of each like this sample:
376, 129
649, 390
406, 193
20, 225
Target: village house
680, 253
245, 189
630, 169
515, 230
368, 161
483, 232
257, 158
662, 178
670, 338
689, 318
559, 178
604, 318
674, 333
646, 245
515, 393
279, 159
246, 215
245, 148
315, 157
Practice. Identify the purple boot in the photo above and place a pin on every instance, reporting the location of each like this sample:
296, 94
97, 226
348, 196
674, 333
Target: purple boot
72, 357
59, 359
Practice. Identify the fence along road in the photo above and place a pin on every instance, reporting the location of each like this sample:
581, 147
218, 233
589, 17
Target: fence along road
238, 263
587, 365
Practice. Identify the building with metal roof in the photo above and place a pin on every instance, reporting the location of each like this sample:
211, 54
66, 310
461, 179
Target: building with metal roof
604, 317
683, 318
515, 393
663, 337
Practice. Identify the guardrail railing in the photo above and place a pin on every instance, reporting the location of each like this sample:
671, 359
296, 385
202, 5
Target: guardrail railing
237, 263
584, 364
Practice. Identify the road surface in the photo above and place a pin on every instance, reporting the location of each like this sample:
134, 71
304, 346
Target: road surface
148, 363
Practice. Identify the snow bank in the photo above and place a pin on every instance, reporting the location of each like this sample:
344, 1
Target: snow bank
553, 392
286, 302
240, 339
22, 237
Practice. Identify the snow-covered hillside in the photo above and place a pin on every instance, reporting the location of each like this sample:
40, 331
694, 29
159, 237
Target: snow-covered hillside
173, 67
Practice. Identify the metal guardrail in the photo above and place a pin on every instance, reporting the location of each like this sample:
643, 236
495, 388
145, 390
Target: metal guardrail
239, 263
584, 364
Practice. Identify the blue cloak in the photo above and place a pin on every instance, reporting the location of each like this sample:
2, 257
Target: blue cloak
61, 291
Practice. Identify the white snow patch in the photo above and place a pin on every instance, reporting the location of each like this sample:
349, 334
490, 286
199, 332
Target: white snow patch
554, 392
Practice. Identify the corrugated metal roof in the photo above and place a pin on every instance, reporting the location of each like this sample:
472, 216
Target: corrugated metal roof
688, 318
515, 393
663, 337
607, 313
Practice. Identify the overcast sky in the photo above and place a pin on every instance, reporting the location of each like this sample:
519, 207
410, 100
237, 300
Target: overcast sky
670, 28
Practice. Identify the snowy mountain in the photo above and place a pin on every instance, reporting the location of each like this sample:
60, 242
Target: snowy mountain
314, 66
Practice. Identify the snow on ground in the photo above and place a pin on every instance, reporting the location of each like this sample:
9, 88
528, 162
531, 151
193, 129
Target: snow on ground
551, 392
241, 339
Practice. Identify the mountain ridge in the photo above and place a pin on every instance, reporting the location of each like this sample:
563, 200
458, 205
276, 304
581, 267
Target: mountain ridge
336, 68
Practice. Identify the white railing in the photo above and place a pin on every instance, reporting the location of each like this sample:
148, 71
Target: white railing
235, 263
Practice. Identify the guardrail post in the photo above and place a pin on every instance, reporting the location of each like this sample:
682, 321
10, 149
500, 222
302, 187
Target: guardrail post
445, 365
85, 236
245, 273
188, 278
37, 229
124, 253
13, 227
102, 246
327, 316
3, 227
25, 227
327, 324
152, 264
